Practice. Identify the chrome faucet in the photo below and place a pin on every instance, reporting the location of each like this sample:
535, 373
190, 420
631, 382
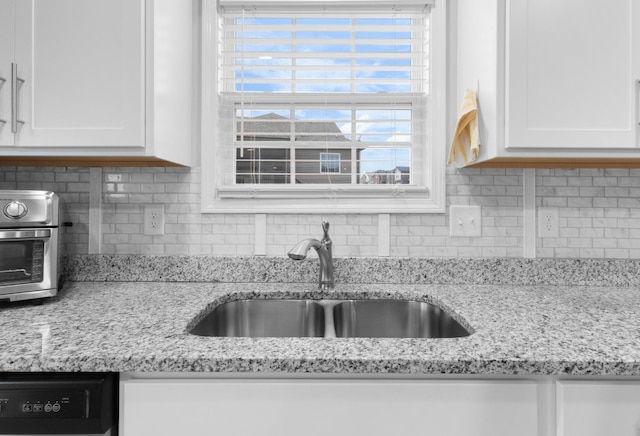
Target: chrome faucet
323, 248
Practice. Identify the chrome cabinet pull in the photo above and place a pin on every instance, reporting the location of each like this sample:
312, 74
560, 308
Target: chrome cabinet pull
14, 98
2, 82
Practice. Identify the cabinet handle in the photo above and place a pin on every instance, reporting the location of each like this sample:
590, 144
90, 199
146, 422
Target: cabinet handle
2, 82
638, 92
14, 98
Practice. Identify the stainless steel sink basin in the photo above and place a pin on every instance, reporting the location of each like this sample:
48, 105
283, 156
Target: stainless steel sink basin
329, 318
394, 319
264, 318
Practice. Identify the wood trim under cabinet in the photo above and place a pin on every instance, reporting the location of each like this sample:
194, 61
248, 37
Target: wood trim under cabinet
86, 161
553, 162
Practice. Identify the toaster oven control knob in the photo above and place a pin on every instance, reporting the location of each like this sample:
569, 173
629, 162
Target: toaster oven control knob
15, 210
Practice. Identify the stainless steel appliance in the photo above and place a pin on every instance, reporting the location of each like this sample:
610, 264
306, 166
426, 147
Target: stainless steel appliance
29, 244
59, 403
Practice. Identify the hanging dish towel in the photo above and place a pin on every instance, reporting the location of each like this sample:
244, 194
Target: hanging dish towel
466, 143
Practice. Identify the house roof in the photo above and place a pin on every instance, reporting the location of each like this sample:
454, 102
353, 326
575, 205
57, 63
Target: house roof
274, 127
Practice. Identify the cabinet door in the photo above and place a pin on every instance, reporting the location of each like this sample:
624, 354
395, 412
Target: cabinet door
322, 407
598, 408
82, 63
572, 71
6, 57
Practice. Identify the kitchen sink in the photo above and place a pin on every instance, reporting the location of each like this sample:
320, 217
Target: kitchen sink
329, 318
394, 319
264, 318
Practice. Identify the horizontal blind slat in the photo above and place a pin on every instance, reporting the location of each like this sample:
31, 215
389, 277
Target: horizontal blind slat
326, 6
234, 29
318, 55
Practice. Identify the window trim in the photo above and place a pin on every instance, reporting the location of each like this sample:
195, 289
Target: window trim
326, 199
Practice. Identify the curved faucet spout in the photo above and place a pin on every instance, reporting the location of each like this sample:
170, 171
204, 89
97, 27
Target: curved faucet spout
300, 250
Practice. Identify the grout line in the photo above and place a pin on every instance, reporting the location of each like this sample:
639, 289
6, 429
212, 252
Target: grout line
260, 234
529, 213
95, 210
384, 232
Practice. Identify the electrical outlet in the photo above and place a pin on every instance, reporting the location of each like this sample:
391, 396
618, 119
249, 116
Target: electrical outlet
465, 221
548, 223
154, 219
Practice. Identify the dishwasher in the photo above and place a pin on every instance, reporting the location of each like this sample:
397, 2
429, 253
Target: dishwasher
59, 403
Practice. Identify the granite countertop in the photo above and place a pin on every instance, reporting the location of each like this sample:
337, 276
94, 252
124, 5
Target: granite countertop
141, 326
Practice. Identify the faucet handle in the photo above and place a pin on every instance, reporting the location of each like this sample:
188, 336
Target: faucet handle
325, 228
326, 240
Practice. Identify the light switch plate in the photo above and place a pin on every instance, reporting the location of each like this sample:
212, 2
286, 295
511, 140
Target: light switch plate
465, 221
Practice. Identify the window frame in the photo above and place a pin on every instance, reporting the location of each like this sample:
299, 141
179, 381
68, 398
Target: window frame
427, 197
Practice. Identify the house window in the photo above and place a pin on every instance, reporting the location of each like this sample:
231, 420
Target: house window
321, 107
329, 162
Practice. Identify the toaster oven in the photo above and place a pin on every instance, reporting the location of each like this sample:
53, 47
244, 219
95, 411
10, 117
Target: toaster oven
29, 244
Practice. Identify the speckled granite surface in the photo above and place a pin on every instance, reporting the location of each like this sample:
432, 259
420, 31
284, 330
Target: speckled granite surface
141, 326
507, 271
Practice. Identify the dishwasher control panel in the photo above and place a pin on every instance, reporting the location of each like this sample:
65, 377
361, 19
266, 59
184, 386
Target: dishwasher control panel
58, 403
43, 403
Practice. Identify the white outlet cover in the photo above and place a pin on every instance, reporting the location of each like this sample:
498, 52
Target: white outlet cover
465, 221
548, 223
154, 219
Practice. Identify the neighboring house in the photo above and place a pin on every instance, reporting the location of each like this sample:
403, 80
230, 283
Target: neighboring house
274, 127
313, 164
398, 175
272, 165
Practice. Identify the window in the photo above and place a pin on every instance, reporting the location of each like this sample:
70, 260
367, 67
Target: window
329, 163
322, 108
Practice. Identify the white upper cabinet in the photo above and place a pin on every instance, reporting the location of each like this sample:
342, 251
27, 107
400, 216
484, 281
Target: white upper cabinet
572, 73
6, 56
559, 80
96, 78
83, 69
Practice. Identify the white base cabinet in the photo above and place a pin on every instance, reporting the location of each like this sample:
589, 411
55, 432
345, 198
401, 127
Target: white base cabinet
288, 407
162, 404
598, 408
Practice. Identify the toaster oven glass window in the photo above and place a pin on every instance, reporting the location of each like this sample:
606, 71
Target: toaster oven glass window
21, 261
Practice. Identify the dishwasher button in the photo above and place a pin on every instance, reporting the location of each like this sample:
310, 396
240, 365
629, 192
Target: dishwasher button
56, 407
48, 407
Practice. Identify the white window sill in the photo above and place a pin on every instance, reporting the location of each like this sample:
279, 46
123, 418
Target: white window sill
323, 200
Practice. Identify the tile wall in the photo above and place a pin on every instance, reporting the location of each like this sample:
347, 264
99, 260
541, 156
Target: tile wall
599, 214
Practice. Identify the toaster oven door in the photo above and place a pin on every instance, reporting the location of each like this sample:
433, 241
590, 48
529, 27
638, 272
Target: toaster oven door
28, 261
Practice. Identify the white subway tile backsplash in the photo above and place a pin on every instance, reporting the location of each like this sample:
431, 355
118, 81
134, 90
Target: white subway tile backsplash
599, 215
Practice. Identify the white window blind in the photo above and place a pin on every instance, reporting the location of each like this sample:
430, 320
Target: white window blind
356, 52
298, 85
